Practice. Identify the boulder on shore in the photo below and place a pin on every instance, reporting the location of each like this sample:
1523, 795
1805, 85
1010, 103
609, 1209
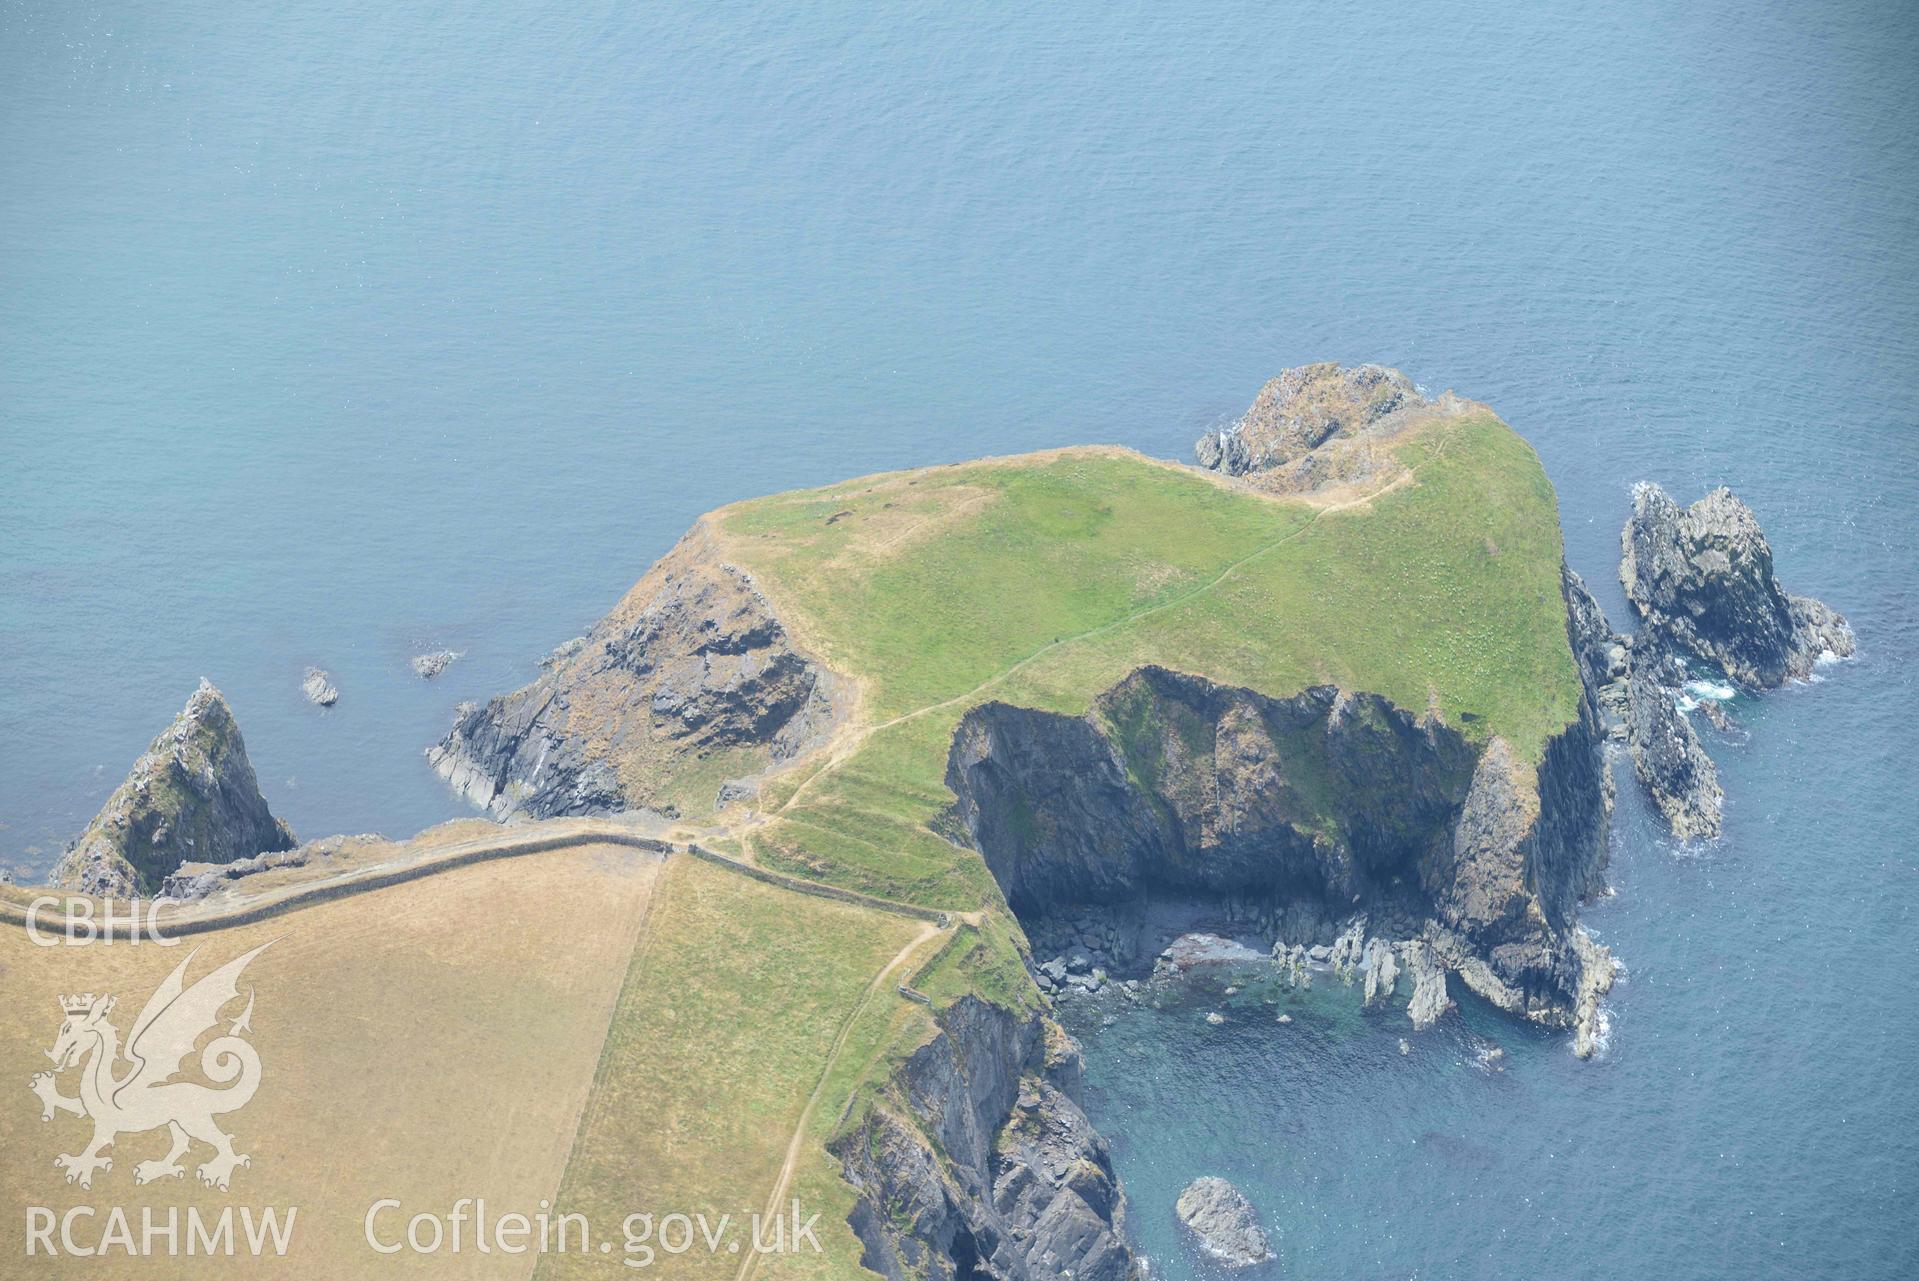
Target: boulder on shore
1223, 1221
192, 797
1701, 581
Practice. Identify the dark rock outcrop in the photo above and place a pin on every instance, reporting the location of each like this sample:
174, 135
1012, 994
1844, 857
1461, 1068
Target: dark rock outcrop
1701, 581
979, 1162
1666, 756
1301, 410
692, 661
1223, 1222
1601, 652
192, 797
1175, 786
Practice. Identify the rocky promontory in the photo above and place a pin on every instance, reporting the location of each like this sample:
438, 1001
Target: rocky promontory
980, 1163
192, 797
1223, 1222
1700, 579
1303, 408
1316, 426
693, 661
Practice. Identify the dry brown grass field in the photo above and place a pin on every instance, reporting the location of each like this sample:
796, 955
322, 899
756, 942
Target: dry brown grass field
424, 1042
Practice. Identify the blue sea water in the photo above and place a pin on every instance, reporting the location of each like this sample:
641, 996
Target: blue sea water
332, 332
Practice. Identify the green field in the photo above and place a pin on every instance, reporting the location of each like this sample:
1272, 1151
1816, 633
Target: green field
1043, 581
736, 1005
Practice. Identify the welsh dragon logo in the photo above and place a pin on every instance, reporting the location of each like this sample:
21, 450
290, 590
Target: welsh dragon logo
143, 1095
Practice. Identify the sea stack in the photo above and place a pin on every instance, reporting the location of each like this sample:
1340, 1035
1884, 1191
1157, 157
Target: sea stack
1700, 579
191, 797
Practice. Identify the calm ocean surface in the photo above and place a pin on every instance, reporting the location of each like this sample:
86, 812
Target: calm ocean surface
332, 332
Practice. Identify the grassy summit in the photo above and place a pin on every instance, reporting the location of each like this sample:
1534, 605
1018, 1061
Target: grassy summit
1042, 580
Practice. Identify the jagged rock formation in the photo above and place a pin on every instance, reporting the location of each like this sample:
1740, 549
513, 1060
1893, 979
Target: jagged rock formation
191, 797
980, 1163
1666, 755
1701, 581
319, 689
1315, 426
1602, 653
692, 661
1175, 786
1223, 1221
1301, 410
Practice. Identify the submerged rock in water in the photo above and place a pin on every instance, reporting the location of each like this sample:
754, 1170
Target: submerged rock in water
1223, 1221
192, 797
1666, 755
1701, 581
427, 666
318, 688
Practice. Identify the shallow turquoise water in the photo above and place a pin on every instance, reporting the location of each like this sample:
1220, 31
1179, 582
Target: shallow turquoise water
329, 334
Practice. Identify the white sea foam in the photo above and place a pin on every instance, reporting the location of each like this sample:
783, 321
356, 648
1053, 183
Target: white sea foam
1710, 691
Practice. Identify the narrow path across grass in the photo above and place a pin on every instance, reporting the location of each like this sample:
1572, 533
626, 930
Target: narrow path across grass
798, 1143
842, 750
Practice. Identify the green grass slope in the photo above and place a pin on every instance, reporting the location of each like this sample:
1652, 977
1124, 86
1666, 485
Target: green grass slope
1043, 580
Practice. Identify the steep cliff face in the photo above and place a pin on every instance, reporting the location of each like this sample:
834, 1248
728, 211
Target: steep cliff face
1175, 782
693, 661
980, 1163
1701, 580
1176, 786
192, 797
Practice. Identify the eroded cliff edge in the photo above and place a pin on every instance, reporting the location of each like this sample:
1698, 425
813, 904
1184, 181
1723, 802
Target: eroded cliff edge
980, 1162
1326, 807
692, 666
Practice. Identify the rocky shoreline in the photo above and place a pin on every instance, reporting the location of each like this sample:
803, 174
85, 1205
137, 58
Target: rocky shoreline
1180, 821
692, 661
1470, 860
982, 1164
